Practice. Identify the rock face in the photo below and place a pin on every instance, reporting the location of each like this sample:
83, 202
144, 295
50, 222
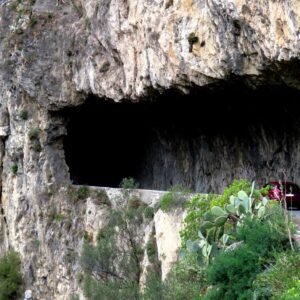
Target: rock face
54, 54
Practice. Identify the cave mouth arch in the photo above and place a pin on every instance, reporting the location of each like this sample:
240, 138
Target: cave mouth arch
202, 140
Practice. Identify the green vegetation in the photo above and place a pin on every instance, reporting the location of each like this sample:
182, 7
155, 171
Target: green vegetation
293, 293
70, 57
58, 217
232, 273
234, 246
196, 207
280, 277
34, 137
10, 276
193, 39
37, 243
233, 189
129, 183
175, 197
102, 197
186, 281
151, 250
149, 212
14, 169
23, 114
112, 272
34, 133
32, 21
82, 193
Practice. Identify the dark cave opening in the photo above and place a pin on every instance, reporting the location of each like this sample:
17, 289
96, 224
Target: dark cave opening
203, 140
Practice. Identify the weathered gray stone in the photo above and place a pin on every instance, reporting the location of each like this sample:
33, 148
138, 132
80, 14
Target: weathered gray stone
54, 56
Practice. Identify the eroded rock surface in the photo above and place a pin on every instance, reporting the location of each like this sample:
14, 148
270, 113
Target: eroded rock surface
54, 54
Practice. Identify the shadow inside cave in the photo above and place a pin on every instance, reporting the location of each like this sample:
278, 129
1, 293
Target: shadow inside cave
202, 140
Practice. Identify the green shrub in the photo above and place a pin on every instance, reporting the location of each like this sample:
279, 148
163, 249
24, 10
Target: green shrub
232, 273
87, 237
192, 39
151, 250
280, 276
153, 287
293, 293
58, 217
34, 133
129, 183
149, 212
24, 114
102, 197
196, 207
232, 189
33, 21
82, 193
36, 146
14, 169
175, 197
186, 281
10, 276
112, 271
135, 202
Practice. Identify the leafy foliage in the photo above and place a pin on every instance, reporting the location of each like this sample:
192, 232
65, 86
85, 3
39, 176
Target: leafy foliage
10, 276
280, 277
186, 281
82, 193
175, 197
233, 189
195, 207
23, 114
245, 237
14, 169
113, 267
129, 183
149, 212
232, 272
293, 293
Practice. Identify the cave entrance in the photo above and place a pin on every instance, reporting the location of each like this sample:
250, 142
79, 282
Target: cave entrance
203, 140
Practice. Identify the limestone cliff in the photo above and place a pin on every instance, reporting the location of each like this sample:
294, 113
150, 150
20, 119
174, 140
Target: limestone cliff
55, 54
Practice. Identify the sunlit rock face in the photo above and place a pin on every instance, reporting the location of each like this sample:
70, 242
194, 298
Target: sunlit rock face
204, 76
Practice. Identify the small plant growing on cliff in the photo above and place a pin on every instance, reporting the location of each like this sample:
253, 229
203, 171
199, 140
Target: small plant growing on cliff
129, 183
34, 133
174, 198
10, 276
32, 21
149, 212
58, 217
70, 57
111, 270
24, 114
151, 250
102, 198
14, 169
82, 193
192, 39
